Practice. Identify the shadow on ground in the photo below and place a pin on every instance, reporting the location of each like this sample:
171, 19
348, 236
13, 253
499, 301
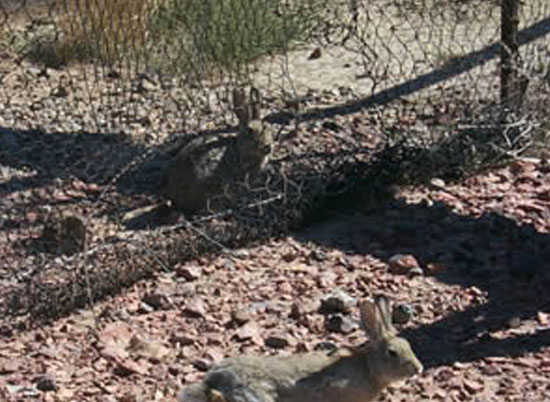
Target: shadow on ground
41, 158
90, 157
492, 253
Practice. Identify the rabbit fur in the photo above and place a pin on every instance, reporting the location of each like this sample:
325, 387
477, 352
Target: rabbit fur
344, 375
208, 165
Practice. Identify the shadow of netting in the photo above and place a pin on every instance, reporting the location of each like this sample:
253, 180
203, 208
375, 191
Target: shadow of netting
498, 255
495, 253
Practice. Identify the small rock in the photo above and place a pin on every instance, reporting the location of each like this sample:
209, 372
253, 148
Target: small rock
543, 318
474, 291
434, 268
8, 366
315, 54
276, 341
31, 216
416, 271
241, 253
326, 279
150, 349
183, 339
285, 288
187, 290
325, 345
145, 308
402, 263
214, 338
158, 301
289, 256
514, 322
241, 316
302, 347
37, 72
60, 92
248, 331
337, 302
45, 383
146, 85
190, 273
300, 309
15, 389
214, 355
402, 313
520, 167
195, 308
318, 255
202, 364
340, 324
472, 387
438, 183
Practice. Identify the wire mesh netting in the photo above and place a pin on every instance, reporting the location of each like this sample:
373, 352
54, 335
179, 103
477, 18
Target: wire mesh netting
98, 96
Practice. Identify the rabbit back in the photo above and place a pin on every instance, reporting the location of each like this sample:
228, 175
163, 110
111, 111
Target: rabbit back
200, 170
298, 378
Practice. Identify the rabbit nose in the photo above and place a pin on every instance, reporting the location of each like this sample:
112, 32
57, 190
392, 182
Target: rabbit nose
418, 367
414, 367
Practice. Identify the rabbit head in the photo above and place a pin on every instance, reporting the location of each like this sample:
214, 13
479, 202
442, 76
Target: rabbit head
389, 356
255, 142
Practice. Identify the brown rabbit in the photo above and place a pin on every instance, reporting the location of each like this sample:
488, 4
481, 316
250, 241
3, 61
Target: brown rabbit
345, 375
208, 165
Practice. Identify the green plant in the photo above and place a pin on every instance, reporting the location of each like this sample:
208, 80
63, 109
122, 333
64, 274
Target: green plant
193, 37
226, 34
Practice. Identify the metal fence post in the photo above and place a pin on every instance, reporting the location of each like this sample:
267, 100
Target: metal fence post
509, 53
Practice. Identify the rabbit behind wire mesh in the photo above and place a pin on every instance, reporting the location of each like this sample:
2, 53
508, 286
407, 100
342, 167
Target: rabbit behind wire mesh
208, 165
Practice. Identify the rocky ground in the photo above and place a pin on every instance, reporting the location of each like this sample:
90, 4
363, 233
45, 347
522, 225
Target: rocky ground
468, 258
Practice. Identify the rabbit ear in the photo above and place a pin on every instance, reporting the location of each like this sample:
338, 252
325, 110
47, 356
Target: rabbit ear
240, 105
376, 318
368, 318
255, 103
384, 307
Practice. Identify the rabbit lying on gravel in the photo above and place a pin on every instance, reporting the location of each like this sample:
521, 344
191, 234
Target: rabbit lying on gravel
210, 164
345, 375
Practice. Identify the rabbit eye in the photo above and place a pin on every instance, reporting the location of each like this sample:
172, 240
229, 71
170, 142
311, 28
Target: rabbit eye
392, 353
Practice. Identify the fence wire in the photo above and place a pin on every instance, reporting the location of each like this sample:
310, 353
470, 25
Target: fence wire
97, 96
